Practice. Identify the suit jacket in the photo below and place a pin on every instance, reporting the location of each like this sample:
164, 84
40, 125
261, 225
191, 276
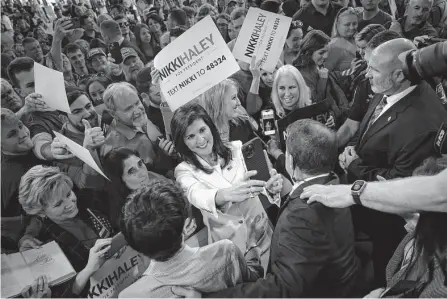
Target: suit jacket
401, 138
312, 252
229, 221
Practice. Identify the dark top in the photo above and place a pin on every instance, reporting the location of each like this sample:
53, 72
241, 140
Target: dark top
315, 19
401, 138
77, 252
155, 116
242, 132
13, 168
424, 29
362, 96
45, 122
380, 18
311, 254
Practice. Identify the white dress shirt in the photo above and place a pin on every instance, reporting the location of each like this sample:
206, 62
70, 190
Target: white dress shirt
393, 99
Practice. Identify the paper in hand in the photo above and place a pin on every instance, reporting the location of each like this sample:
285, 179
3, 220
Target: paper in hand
80, 152
50, 84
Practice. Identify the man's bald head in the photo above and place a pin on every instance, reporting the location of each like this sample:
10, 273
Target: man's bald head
388, 52
385, 69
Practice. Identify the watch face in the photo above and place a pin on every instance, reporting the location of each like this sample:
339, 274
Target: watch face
357, 187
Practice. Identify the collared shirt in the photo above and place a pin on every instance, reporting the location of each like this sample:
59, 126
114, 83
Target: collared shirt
299, 183
315, 19
123, 136
211, 268
393, 99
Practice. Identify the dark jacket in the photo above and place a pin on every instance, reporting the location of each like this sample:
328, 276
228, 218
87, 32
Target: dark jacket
311, 254
401, 138
76, 251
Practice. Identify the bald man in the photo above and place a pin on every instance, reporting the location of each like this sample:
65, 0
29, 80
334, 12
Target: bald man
415, 23
396, 134
398, 131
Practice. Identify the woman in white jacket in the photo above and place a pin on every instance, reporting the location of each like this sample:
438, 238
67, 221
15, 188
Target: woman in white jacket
216, 181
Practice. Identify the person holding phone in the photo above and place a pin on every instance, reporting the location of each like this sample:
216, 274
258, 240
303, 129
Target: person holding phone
214, 178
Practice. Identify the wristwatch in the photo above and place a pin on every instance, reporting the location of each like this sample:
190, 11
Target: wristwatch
357, 189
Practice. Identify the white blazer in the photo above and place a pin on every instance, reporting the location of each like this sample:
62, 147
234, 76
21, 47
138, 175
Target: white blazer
229, 221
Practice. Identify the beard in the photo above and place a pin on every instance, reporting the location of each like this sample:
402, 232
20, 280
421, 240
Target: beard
93, 120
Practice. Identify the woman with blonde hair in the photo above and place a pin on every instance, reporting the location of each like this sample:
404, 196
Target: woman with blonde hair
342, 48
222, 104
83, 234
289, 91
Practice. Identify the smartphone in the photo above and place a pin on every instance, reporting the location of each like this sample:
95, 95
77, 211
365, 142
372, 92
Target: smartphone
118, 241
76, 23
115, 52
358, 55
255, 159
268, 122
167, 117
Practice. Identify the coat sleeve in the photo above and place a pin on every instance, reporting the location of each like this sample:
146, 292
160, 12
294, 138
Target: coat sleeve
408, 158
302, 250
199, 195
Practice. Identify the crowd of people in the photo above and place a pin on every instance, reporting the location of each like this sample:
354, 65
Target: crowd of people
291, 235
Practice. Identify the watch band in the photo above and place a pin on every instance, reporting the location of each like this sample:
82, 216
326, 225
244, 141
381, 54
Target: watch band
356, 198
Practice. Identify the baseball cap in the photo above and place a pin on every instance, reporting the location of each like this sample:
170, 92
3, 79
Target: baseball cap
128, 52
95, 51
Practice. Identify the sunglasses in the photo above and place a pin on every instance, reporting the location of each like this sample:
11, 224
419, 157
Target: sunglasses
125, 24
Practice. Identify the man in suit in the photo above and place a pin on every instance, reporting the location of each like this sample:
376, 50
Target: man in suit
399, 128
312, 248
395, 136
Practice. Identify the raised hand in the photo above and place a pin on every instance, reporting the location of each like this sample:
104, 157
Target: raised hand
255, 67
61, 29
33, 102
98, 254
93, 137
167, 146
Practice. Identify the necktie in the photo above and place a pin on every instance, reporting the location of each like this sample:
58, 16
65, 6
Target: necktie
377, 111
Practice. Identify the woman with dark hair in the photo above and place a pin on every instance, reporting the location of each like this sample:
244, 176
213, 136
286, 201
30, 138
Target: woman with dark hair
146, 42
418, 268
127, 173
95, 87
156, 26
216, 181
293, 42
323, 85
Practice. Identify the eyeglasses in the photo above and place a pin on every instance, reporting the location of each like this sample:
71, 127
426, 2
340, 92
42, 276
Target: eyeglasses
125, 24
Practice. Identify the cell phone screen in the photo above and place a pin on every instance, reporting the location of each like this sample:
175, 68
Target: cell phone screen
115, 52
